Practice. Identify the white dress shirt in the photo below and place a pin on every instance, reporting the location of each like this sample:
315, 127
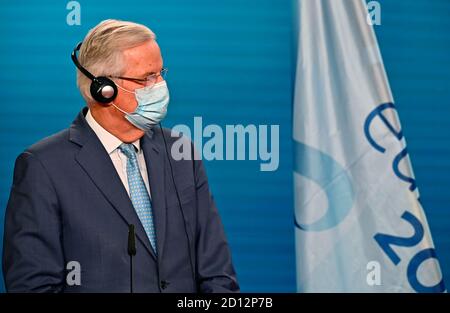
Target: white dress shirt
119, 160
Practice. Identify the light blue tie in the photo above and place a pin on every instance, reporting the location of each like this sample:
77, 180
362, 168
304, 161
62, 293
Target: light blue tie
139, 194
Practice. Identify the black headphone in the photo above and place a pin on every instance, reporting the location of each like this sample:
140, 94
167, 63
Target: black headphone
103, 89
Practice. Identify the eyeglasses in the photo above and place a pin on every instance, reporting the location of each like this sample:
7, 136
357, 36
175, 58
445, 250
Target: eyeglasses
150, 80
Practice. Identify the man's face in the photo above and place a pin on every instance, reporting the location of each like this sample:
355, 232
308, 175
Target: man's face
140, 62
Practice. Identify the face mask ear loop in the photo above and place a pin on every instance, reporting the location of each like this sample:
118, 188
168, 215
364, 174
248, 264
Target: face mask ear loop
120, 87
112, 103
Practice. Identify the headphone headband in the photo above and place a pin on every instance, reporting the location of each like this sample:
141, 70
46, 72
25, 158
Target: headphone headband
102, 89
78, 65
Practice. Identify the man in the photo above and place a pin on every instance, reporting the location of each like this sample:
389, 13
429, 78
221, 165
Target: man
77, 195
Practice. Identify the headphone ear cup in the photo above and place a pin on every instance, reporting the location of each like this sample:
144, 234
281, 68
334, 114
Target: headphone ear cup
103, 89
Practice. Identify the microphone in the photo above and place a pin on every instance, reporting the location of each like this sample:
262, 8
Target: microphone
131, 251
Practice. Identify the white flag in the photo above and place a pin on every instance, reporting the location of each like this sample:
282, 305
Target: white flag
359, 223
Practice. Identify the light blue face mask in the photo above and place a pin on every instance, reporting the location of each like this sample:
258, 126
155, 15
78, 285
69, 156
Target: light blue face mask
152, 106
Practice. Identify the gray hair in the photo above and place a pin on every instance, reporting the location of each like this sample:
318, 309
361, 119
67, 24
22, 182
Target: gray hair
101, 51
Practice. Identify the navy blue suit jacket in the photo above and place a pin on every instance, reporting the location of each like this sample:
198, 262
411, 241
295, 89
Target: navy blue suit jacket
67, 203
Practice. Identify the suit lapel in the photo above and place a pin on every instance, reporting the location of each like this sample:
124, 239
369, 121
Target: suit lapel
96, 162
155, 159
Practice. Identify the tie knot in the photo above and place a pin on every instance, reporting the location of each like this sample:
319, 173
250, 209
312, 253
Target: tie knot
128, 150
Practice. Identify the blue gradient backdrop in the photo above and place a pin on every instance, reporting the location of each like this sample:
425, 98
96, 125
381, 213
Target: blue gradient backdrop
232, 62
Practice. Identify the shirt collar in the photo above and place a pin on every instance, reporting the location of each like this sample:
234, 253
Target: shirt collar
109, 141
